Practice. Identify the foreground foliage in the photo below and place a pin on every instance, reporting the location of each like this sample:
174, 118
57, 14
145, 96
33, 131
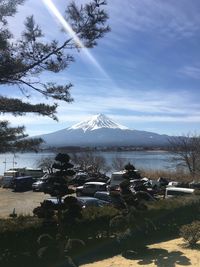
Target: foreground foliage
23, 60
191, 233
96, 227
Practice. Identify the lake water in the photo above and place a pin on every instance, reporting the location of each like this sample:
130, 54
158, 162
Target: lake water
153, 160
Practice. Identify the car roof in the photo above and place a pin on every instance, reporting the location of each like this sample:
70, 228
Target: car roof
86, 198
102, 193
54, 200
97, 183
136, 180
119, 172
23, 177
181, 189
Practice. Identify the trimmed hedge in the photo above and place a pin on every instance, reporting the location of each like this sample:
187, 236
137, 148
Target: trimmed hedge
161, 218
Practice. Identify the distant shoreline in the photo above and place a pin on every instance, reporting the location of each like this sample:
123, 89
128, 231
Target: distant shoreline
105, 149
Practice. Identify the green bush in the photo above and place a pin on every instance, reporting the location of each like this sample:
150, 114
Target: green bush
175, 212
95, 222
163, 218
191, 233
19, 223
18, 236
119, 224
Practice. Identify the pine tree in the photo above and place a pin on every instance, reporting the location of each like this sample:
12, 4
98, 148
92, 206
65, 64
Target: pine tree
57, 184
24, 60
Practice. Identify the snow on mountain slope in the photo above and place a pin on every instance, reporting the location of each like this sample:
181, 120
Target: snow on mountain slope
97, 122
100, 130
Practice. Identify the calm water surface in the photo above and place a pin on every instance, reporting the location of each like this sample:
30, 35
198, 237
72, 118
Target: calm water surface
154, 160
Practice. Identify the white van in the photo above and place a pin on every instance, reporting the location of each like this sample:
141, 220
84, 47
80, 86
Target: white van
178, 191
15, 172
116, 178
11, 173
6, 181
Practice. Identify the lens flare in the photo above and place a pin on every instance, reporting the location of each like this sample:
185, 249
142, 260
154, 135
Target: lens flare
56, 13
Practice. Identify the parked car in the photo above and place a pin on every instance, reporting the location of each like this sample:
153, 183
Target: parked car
22, 183
18, 172
6, 181
112, 198
194, 185
137, 185
152, 184
178, 191
40, 184
84, 202
79, 179
144, 196
116, 179
163, 181
173, 184
90, 188
103, 195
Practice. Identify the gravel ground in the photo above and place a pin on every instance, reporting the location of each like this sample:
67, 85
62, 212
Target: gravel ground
23, 202
165, 254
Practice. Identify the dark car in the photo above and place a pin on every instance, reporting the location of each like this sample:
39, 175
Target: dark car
84, 202
90, 188
22, 183
103, 195
194, 185
144, 196
113, 198
79, 179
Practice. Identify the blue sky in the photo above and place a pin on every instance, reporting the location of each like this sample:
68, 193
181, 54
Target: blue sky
149, 67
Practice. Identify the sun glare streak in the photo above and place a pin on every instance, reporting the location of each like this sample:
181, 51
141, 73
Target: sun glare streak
53, 9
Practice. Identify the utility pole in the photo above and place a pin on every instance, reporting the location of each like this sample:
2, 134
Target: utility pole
5, 162
13, 163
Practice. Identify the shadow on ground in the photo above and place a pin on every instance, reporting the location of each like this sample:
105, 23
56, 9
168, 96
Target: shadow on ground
98, 251
159, 257
194, 247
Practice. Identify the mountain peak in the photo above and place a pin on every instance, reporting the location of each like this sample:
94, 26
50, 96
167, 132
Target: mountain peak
96, 122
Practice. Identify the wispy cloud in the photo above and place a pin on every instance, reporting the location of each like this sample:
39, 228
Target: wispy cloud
151, 101
154, 118
190, 71
149, 41
171, 18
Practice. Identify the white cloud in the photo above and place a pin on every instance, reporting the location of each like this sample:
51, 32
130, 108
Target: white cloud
137, 101
190, 71
125, 108
156, 118
95, 93
171, 18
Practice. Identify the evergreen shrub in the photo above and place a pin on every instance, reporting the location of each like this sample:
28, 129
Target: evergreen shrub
191, 233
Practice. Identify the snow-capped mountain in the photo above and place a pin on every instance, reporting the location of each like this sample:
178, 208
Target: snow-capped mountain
97, 122
99, 130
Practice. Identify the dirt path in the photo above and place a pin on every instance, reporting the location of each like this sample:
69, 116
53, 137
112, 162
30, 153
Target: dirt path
166, 254
23, 202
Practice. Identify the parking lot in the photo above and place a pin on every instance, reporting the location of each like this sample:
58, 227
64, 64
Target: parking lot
23, 202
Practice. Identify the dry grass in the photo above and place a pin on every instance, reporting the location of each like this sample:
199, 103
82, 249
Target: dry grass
179, 176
